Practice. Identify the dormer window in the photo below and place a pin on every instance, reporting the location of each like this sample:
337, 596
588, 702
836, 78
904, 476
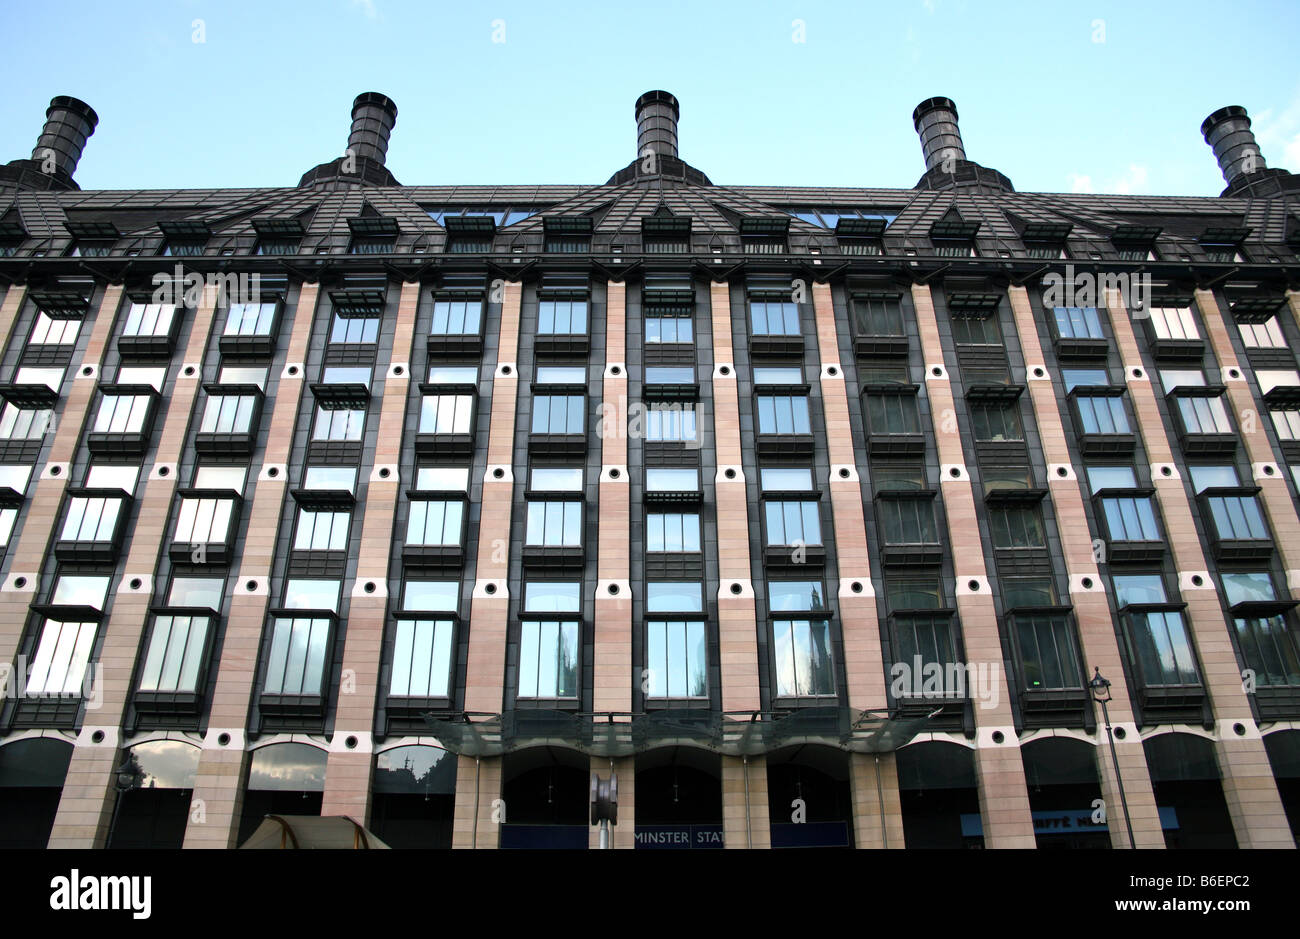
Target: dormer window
184, 238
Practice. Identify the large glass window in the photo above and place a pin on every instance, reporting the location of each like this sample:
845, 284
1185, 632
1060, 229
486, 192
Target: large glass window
1268, 643
309, 594
122, 414
220, 476
1265, 335
1078, 322
1084, 377
204, 521
80, 590
1111, 477
1048, 654
446, 414
559, 414
149, 319
1171, 378
796, 595
668, 329
783, 414
774, 318
1102, 415
1174, 322
661, 479
1204, 415
930, 639
456, 317
1207, 477
996, 422
354, 329
338, 424
801, 653
1286, 423
561, 317
1016, 526
175, 654
62, 653
554, 524
792, 523
196, 592
893, 414
435, 522
24, 423
548, 648
786, 479
556, 479
907, 521
976, 331
334, 477
672, 596
322, 531
1131, 519
52, 332
91, 519
673, 531
1237, 517
422, 658
670, 423
296, 664
878, 316
1163, 648
228, 414
250, 319
676, 659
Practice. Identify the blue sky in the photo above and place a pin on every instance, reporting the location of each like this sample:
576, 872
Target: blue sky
1092, 96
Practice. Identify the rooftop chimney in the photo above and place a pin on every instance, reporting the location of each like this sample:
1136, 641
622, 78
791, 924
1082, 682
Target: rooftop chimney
373, 117
656, 124
935, 120
69, 122
946, 166
1228, 133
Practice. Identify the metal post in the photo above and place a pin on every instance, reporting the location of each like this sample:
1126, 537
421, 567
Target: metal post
474, 837
1119, 779
749, 837
880, 801
604, 834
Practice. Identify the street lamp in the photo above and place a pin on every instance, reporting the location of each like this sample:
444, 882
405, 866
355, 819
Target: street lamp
1101, 694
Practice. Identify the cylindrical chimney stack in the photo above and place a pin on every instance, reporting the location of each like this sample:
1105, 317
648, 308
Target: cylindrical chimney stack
935, 120
656, 124
1228, 132
68, 124
373, 117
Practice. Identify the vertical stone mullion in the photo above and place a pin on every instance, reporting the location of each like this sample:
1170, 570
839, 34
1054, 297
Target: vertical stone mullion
219, 781
1004, 798
1087, 596
348, 770
745, 821
479, 780
859, 620
1248, 784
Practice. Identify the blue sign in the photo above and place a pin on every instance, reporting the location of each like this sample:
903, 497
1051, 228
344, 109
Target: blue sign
679, 837
1063, 822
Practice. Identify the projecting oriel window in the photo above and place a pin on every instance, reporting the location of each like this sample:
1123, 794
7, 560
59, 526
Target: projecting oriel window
670, 423
1102, 414
976, 331
668, 329
296, 663
1268, 642
893, 414
62, 654
1286, 423
453, 317
250, 319
783, 414
792, 523
1130, 518
907, 521
122, 414
561, 317
1078, 322
559, 414
878, 316
435, 522
996, 422
554, 525
228, 414
774, 318
51, 332
149, 319
801, 656
91, 519
174, 659
204, 521
24, 423
676, 659
1204, 415
1265, 335
1174, 323
446, 414
1016, 526
422, 651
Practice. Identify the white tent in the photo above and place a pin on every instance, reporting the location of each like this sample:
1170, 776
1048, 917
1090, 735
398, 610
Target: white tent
311, 831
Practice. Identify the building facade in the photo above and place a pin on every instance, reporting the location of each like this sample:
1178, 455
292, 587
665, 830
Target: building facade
816, 516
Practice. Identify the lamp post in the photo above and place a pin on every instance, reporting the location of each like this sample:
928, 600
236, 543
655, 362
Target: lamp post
1101, 694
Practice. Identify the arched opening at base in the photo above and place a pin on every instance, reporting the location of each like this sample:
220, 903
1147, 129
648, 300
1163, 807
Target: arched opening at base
1189, 791
413, 801
32, 773
939, 796
809, 797
679, 798
1065, 794
546, 793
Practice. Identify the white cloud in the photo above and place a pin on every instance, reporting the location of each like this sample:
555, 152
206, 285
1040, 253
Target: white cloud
1080, 183
1134, 180
1278, 135
367, 7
